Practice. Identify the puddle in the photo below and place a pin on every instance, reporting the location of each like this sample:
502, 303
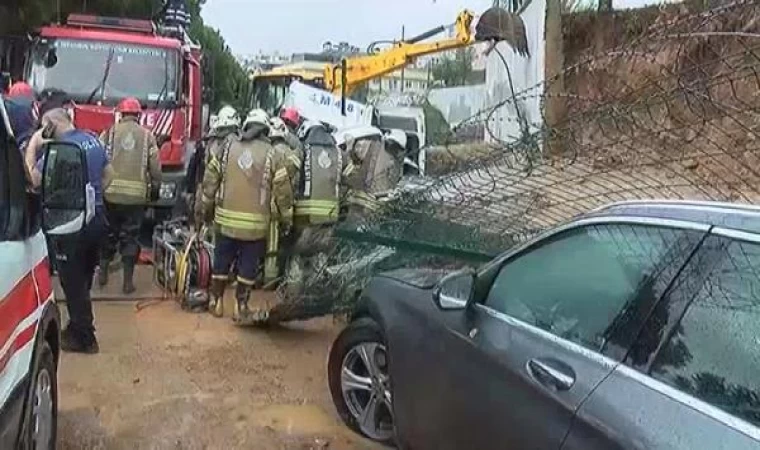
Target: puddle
296, 419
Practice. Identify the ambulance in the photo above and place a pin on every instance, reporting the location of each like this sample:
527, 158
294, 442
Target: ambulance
30, 323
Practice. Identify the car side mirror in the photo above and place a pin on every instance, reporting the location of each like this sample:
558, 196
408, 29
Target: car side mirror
68, 201
454, 291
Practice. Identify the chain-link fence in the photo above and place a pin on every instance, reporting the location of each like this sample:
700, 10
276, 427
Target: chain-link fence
673, 114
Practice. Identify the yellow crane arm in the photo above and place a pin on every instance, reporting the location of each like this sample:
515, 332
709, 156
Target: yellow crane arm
361, 69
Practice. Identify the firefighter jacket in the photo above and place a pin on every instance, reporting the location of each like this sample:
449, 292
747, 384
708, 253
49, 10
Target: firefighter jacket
320, 185
246, 188
376, 170
133, 153
291, 158
216, 144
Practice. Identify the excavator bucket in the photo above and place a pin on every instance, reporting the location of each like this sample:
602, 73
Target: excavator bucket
497, 24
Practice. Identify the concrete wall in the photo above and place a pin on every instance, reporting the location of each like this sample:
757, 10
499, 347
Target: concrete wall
458, 103
527, 75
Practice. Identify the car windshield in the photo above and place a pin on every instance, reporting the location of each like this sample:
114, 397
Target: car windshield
78, 67
398, 123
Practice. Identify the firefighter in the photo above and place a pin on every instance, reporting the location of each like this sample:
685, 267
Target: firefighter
133, 153
379, 165
317, 203
280, 135
292, 119
78, 255
244, 189
222, 126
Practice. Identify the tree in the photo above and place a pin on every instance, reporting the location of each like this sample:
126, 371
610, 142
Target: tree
454, 70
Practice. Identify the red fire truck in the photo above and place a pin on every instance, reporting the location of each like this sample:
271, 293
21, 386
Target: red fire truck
97, 61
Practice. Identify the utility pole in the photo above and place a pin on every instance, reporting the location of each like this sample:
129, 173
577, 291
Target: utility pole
402, 68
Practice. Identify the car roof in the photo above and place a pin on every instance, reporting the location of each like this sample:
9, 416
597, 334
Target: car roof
735, 216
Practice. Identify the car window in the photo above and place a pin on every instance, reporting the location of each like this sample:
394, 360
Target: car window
714, 353
579, 283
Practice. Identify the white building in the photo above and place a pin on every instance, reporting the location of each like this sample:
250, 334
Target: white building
262, 60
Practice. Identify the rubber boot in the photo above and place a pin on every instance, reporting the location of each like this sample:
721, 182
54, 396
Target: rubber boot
216, 301
103, 273
243, 315
129, 273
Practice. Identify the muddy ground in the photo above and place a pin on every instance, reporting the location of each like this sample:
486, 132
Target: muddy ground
166, 379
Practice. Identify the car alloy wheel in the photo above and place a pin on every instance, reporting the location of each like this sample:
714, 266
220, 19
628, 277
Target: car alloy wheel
366, 387
42, 410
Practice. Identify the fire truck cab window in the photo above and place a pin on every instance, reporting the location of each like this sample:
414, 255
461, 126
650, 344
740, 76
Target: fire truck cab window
110, 70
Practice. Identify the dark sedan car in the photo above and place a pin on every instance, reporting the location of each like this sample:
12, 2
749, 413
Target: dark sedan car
635, 326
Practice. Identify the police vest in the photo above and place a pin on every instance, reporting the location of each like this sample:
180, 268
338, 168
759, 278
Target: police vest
243, 201
128, 147
318, 198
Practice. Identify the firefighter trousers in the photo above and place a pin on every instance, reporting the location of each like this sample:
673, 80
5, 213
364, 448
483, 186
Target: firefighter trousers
246, 254
124, 223
77, 257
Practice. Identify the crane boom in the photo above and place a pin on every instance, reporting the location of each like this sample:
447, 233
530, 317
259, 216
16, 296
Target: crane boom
361, 69
494, 25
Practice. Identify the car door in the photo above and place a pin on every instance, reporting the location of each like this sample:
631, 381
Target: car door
24, 286
690, 380
546, 327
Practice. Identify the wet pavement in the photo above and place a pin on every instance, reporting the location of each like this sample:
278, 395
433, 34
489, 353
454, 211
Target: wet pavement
166, 379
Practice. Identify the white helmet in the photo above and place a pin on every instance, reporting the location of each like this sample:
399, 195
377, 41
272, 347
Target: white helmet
305, 127
227, 118
277, 128
356, 133
398, 137
256, 116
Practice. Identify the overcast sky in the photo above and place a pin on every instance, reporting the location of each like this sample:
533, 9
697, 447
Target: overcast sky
303, 25
293, 26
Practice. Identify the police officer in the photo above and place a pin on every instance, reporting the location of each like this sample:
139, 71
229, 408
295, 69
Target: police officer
133, 153
244, 189
77, 256
222, 126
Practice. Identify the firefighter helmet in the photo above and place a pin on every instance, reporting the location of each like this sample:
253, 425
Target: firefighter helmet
398, 137
307, 126
257, 116
20, 89
277, 128
291, 117
227, 118
129, 105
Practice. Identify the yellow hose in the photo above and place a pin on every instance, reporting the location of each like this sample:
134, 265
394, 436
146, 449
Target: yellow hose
182, 266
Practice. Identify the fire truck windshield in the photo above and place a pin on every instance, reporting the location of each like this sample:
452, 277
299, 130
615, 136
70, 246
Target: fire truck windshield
81, 68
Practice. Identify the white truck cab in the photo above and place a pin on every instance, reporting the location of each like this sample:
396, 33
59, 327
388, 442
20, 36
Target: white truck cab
29, 318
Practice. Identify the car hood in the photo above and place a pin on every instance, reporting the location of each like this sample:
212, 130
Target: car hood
419, 278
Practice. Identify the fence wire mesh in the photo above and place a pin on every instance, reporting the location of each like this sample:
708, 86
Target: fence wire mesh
671, 115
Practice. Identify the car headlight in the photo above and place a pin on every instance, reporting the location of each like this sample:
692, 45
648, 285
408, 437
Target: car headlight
167, 191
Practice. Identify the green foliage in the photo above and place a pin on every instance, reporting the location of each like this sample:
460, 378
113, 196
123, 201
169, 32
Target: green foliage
455, 70
438, 129
226, 80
